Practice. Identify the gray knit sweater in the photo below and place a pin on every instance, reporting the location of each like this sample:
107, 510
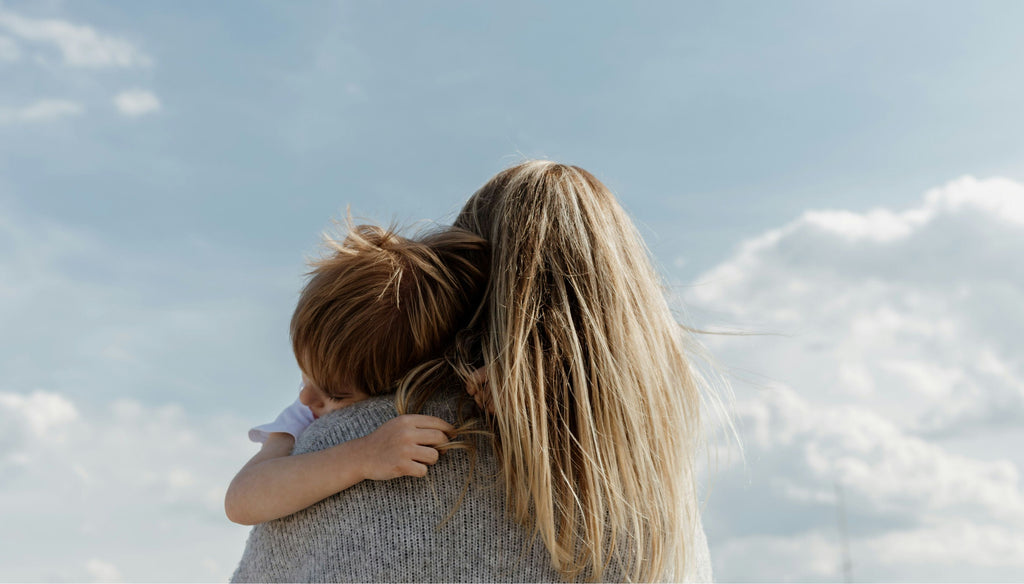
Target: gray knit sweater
394, 531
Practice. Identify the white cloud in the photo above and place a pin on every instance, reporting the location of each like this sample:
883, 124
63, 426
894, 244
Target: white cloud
763, 558
44, 110
896, 373
9, 50
79, 45
935, 550
885, 470
101, 571
38, 416
136, 102
998, 198
121, 470
913, 313
950, 552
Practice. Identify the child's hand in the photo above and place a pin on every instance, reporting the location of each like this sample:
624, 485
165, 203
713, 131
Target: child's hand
403, 446
478, 388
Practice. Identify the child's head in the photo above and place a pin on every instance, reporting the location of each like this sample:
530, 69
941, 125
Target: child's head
381, 304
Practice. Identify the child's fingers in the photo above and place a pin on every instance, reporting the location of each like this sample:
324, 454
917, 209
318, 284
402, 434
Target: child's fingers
425, 455
430, 423
417, 469
430, 437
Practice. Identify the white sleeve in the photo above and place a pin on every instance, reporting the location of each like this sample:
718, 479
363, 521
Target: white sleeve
293, 420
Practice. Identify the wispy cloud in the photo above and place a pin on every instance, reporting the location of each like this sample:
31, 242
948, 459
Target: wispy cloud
79, 45
137, 102
44, 110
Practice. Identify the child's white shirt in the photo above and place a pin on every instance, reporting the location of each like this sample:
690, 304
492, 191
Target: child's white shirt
293, 420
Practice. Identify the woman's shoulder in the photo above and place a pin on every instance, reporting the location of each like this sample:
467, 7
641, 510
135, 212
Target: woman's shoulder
348, 423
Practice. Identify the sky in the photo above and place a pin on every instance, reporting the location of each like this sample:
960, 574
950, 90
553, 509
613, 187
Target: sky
844, 180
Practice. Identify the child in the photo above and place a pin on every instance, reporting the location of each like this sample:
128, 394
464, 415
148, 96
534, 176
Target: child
377, 307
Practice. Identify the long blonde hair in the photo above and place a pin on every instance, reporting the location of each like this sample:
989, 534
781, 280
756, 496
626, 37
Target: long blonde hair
596, 408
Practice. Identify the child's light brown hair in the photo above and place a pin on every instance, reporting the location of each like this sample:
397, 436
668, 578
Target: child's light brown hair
380, 304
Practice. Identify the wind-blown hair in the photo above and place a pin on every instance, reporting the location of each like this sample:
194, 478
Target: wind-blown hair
596, 407
379, 304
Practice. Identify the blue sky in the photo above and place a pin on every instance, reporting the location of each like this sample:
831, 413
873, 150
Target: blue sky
166, 167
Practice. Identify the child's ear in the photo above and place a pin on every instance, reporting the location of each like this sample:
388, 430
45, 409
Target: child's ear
479, 376
476, 386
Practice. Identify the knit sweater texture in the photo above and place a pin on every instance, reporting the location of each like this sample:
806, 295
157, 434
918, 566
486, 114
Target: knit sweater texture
395, 531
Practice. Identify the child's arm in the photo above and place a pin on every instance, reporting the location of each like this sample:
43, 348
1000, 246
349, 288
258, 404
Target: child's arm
273, 484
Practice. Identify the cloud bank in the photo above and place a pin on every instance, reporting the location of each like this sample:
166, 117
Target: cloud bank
895, 381
124, 490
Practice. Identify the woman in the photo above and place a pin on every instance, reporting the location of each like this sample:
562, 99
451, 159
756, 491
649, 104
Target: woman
594, 410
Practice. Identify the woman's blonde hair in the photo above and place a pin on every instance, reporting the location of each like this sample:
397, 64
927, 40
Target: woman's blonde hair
379, 304
596, 407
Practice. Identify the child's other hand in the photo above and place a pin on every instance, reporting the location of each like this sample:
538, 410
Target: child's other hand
403, 446
478, 388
